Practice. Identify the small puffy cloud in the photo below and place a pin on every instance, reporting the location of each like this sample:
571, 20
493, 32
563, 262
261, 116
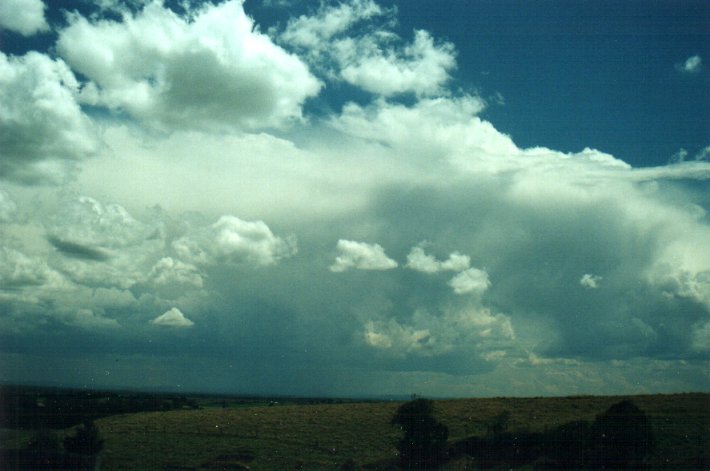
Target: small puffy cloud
590, 281
691, 65
210, 71
231, 239
471, 280
41, 125
172, 318
419, 260
361, 256
23, 16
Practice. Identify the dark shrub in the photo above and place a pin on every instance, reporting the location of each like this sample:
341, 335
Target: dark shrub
424, 443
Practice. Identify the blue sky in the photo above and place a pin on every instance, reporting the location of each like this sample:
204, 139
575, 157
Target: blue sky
356, 197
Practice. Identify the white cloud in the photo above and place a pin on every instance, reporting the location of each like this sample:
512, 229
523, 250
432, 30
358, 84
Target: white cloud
373, 59
40, 120
421, 67
17, 270
213, 71
102, 244
590, 281
361, 256
419, 260
168, 271
426, 334
23, 16
471, 280
429, 131
172, 318
315, 32
232, 240
692, 65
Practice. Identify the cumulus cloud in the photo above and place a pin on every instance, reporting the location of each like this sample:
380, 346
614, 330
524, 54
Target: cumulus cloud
421, 67
590, 281
231, 239
471, 280
23, 16
692, 65
427, 334
101, 244
168, 271
172, 318
212, 70
18, 270
419, 260
361, 256
42, 128
376, 59
314, 32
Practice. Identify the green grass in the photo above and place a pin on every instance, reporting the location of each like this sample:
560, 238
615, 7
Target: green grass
324, 436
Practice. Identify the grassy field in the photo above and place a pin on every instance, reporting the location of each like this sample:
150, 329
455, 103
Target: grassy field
326, 436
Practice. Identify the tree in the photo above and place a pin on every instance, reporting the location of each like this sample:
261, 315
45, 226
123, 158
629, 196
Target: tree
621, 437
85, 441
424, 443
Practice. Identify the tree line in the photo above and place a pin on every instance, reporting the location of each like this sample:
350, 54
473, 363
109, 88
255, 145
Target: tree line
619, 438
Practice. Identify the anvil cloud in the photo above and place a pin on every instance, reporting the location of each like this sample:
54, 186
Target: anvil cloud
192, 199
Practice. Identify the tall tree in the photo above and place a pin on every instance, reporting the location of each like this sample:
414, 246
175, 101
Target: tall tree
423, 445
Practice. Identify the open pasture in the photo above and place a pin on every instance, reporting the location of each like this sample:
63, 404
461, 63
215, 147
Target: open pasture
327, 436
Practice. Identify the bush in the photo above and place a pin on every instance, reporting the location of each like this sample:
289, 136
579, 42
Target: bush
85, 441
424, 443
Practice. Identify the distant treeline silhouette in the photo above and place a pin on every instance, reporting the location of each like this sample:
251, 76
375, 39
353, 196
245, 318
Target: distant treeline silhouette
36, 409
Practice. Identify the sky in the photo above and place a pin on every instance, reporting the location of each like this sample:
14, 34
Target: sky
356, 198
